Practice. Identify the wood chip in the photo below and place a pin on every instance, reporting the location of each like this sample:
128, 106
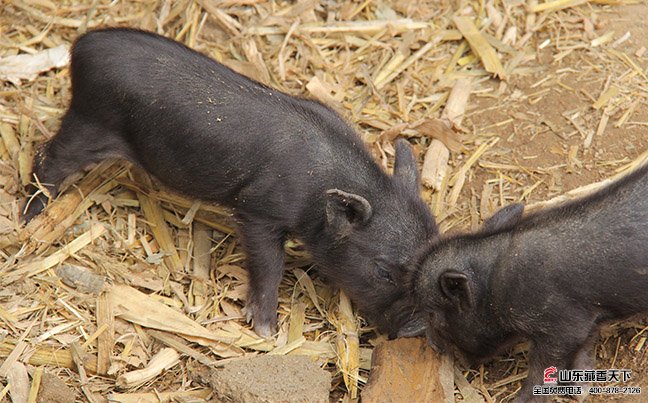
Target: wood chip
18, 378
9, 139
408, 370
480, 46
229, 24
40, 265
59, 216
348, 345
438, 129
163, 360
155, 216
318, 90
606, 97
435, 165
105, 340
555, 5
297, 320
457, 101
399, 66
136, 307
27, 67
180, 345
201, 261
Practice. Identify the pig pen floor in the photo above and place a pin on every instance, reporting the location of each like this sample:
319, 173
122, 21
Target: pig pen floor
570, 108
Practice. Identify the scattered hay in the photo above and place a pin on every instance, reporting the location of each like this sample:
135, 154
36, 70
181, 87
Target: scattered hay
392, 69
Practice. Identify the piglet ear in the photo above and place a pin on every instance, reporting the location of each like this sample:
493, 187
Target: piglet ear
405, 170
456, 287
346, 211
504, 218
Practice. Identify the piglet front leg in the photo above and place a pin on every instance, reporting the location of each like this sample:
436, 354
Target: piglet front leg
585, 358
564, 348
263, 244
540, 357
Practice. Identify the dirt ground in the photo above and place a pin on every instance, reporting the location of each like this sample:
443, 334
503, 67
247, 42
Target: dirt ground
540, 134
539, 137
553, 136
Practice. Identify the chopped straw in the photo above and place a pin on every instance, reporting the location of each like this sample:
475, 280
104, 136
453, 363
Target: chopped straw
540, 102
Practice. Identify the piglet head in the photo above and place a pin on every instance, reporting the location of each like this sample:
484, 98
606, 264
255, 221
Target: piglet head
452, 287
369, 246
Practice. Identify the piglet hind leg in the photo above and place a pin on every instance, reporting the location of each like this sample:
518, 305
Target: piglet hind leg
263, 246
77, 144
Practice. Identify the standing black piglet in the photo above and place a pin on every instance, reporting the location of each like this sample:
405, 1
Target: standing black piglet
284, 165
553, 277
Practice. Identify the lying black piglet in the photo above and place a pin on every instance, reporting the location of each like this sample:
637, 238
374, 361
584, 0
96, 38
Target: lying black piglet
552, 277
285, 165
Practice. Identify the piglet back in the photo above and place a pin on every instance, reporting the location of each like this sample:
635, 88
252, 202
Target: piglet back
184, 116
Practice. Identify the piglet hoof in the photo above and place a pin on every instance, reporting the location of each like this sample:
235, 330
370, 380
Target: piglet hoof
264, 330
30, 213
263, 320
32, 207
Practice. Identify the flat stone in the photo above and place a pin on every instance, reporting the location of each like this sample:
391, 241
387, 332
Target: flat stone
271, 378
408, 370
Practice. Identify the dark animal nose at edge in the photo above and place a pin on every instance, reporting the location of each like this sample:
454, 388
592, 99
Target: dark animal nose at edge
413, 328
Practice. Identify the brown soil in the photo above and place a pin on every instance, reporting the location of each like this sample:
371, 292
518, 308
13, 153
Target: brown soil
539, 137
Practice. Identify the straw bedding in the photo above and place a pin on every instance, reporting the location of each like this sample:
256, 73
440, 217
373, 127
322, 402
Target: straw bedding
112, 290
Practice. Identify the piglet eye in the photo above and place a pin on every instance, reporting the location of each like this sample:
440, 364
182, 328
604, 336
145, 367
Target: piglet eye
384, 274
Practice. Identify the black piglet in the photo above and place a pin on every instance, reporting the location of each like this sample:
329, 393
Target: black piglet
286, 166
552, 277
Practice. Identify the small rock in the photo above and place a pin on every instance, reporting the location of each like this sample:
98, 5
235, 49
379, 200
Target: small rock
81, 278
198, 373
54, 390
271, 378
